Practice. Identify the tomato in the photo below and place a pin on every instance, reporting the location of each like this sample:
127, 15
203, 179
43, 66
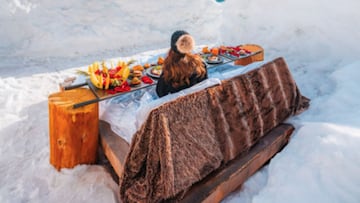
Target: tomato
123, 88
147, 80
237, 49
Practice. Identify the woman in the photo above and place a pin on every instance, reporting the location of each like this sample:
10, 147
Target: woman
181, 68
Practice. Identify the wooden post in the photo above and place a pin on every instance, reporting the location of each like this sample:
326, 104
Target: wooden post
73, 132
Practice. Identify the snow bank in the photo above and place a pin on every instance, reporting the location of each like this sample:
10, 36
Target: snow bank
316, 166
75, 28
42, 42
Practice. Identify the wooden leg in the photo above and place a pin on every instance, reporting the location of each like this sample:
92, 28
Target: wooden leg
115, 148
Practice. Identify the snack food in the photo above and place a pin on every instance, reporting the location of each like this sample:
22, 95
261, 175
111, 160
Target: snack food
137, 73
135, 81
215, 51
213, 58
160, 60
234, 52
147, 65
138, 68
205, 50
156, 70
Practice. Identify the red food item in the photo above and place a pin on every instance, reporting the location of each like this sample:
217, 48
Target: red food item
237, 49
123, 88
147, 80
111, 91
112, 73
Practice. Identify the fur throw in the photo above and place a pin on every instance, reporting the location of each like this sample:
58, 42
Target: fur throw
182, 141
185, 44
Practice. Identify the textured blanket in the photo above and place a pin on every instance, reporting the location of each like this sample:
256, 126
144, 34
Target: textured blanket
184, 140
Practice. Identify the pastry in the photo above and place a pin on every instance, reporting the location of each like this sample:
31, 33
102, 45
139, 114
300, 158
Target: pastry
147, 65
138, 67
135, 81
137, 73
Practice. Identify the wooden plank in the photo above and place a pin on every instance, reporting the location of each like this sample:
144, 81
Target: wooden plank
228, 178
221, 182
115, 148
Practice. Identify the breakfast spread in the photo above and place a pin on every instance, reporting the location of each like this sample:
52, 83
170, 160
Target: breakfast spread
126, 76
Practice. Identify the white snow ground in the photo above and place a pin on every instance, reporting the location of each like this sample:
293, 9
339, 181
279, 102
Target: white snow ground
42, 42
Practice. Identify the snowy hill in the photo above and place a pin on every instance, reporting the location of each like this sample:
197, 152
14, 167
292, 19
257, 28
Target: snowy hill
42, 42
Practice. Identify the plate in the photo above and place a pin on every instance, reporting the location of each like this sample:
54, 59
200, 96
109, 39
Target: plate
217, 61
150, 73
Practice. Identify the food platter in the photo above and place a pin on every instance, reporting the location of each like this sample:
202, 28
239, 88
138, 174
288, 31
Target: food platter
154, 71
234, 52
212, 59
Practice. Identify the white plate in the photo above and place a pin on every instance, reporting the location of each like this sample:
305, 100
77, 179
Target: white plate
219, 60
148, 72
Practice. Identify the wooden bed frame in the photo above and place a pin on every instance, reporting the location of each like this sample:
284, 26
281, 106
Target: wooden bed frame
220, 183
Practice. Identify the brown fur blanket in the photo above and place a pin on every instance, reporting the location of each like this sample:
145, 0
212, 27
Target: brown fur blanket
184, 140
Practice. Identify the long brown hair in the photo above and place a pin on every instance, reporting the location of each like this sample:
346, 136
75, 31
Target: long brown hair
178, 68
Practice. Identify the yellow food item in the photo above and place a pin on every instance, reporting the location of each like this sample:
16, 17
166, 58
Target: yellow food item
205, 50
138, 67
135, 81
94, 78
147, 65
107, 77
102, 77
125, 74
215, 51
160, 60
137, 73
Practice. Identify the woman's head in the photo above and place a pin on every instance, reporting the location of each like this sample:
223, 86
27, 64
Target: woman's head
180, 63
182, 42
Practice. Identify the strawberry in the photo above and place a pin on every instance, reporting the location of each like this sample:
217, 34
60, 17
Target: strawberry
146, 80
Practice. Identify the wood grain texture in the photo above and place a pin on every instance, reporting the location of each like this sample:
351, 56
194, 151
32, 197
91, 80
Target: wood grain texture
115, 148
73, 132
248, 60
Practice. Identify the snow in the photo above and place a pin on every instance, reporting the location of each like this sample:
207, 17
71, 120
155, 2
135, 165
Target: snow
43, 42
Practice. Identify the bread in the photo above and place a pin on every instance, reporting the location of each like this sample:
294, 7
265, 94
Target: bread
135, 81
137, 73
138, 67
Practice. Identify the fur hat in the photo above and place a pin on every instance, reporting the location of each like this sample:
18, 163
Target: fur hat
182, 42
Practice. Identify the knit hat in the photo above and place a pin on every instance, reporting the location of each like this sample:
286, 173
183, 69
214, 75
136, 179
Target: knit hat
182, 42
